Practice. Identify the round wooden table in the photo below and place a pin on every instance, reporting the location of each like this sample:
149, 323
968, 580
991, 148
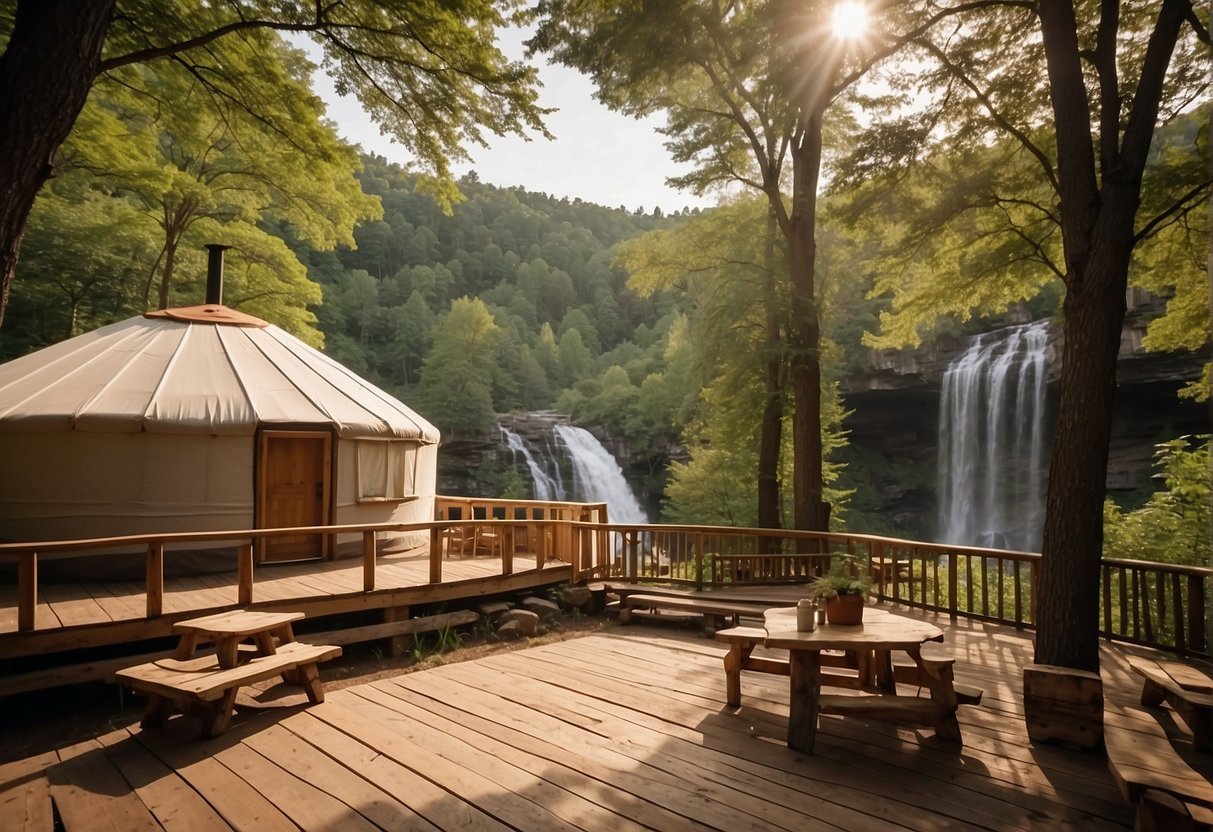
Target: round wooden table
874, 640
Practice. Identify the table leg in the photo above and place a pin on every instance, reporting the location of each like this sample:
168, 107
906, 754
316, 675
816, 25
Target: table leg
310, 676
937, 677
733, 660
227, 649
885, 682
285, 635
159, 709
804, 702
185, 647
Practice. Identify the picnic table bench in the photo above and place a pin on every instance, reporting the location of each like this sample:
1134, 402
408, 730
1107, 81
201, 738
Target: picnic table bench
715, 611
206, 686
1148, 769
201, 688
1185, 688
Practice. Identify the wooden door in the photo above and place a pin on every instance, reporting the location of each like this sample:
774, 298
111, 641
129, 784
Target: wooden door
295, 483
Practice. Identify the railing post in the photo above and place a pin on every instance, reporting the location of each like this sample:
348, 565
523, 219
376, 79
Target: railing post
27, 590
436, 555
876, 567
507, 553
244, 577
1196, 615
953, 566
577, 555
369, 554
699, 560
155, 579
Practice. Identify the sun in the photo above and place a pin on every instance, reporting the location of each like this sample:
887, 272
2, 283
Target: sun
850, 20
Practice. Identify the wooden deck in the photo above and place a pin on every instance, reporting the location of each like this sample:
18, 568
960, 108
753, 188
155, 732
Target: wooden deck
74, 616
622, 730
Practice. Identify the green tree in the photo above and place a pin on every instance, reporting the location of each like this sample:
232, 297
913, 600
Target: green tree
575, 358
745, 89
85, 264
431, 76
457, 377
1173, 525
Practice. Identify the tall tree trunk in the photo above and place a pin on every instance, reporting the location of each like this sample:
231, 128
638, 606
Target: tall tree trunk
771, 437
1097, 222
46, 72
810, 511
1067, 613
166, 277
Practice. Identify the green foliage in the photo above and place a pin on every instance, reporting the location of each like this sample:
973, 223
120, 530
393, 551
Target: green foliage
183, 166
847, 576
430, 74
457, 377
715, 365
540, 265
957, 175
1173, 525
1172, 262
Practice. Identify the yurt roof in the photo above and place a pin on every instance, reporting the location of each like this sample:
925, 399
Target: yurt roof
200, 370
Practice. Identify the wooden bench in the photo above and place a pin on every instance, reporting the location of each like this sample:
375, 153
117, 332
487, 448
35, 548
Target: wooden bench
1144, 762
934, 658
202, 688
743, 640
1186, 689
714, 611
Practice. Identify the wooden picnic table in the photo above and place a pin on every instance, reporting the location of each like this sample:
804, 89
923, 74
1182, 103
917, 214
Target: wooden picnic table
874, 640
206, 686
227, 630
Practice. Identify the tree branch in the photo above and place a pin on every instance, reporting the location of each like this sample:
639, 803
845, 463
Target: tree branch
1109, 84
1180, 207
1002, 121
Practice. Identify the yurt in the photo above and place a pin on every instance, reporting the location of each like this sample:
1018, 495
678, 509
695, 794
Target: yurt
198, 419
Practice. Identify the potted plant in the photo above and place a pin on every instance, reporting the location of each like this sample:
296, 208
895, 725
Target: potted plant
844, 593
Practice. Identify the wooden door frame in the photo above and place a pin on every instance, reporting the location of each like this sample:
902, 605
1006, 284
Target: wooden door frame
328, 492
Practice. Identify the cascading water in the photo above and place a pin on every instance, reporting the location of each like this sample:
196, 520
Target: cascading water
593, 474
547, 486
598, 477
992, 441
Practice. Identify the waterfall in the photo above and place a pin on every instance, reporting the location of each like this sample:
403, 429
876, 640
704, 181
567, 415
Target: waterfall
547, 486
597, 477
992, 441
568, 463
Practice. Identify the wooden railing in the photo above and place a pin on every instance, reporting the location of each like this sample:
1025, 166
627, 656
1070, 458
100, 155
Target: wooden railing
548, 533
1156, 604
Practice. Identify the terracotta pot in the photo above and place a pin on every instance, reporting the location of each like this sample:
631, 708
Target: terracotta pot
845, 609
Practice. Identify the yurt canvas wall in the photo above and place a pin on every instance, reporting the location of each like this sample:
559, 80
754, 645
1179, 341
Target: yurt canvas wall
204, 419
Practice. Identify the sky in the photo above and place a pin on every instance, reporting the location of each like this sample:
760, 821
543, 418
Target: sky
597, 155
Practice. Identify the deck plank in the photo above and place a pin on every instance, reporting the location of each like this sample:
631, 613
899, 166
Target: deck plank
428, 800
167, 796
239, 804
25, 795
90, 793
559, 765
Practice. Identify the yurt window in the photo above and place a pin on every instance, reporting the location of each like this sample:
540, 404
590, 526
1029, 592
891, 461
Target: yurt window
387, 469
